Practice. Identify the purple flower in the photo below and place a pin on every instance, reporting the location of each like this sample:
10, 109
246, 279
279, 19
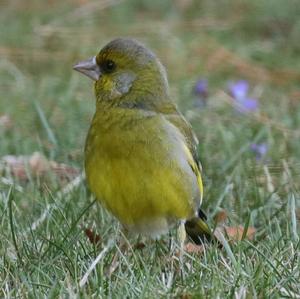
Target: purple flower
201, 92
260, 150
201, 88
239, 89
250, 104
239, 92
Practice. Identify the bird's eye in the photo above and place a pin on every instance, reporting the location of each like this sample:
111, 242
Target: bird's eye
108, 66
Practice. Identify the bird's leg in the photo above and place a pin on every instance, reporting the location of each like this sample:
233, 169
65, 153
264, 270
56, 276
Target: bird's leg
181, 235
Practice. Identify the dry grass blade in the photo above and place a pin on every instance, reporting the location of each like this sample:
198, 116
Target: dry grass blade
236, 233
85, 277
193, 248
36, 165
9, 182
59, 195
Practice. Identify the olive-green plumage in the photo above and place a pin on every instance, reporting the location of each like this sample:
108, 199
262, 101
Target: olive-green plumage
140, 154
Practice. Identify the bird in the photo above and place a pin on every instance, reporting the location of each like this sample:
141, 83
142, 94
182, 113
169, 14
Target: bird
141, 157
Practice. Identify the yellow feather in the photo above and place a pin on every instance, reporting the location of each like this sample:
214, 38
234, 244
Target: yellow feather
195, 168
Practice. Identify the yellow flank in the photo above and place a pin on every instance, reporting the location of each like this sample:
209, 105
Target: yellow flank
141, 157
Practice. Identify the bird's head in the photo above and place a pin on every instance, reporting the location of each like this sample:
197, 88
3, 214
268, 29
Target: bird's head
125, 71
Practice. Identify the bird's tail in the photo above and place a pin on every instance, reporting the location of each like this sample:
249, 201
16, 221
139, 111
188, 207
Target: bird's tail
198, 230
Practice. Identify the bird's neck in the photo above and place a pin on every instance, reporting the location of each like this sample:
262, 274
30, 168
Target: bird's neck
146, 98
110, 116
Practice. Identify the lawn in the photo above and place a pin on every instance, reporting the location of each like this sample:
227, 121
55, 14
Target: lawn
234, 71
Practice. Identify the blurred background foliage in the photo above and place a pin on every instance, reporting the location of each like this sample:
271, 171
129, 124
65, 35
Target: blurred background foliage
220, 41
251, 158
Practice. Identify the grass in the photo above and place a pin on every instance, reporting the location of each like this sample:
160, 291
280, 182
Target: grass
51, 107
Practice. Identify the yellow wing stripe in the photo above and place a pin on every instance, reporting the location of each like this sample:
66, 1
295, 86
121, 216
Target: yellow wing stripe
195, 169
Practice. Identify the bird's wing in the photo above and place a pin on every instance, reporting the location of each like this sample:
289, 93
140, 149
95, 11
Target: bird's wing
171, 114
196, 227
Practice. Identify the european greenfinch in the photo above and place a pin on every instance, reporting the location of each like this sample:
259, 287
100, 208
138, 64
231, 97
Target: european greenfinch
141, 158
